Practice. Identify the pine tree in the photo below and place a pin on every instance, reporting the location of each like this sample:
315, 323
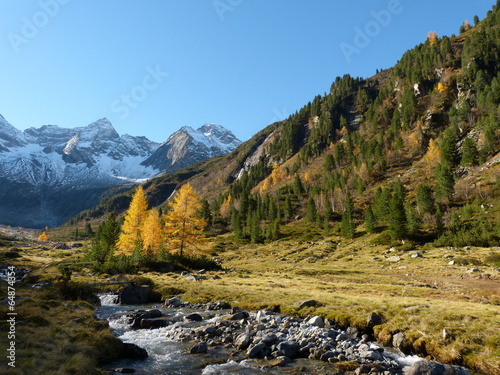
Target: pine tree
413, 224
311, 210
370, 221
425, 200
445, 184
151, 234
132, 225
470, 153
288, 207
183, 224
104, 242
347, 225
88, 230
397, 215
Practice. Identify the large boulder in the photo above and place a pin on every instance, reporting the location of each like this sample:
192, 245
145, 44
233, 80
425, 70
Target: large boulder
134, 295
132, 351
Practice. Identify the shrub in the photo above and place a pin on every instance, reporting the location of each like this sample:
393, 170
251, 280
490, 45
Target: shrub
493, 259
472, 233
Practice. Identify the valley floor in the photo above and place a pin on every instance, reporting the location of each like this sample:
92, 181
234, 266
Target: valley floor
446, 301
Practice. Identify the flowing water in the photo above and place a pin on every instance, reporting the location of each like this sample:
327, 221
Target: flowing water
169, 353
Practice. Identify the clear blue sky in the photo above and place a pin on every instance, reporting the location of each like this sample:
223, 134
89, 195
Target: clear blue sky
152, 66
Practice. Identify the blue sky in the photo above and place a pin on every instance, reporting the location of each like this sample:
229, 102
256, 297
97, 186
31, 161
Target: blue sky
152, 66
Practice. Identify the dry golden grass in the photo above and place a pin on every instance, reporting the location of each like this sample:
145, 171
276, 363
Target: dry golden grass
350, 278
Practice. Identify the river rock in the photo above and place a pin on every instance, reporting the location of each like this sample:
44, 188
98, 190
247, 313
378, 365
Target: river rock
394, 258
193, 317
254, 350
153, 323
374, 320
124, 370
200, 348
277, 362
306, 303
132, 351
316, 321
424, 367
219, 305
398, 339
288, 349
136, 318
173, 302
243, 340
134, 295
236, 316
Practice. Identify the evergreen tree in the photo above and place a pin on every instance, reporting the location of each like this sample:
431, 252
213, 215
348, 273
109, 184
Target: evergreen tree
88, 230
470, 153
347, 226
445, 184
183, 224
312, 212
288, 207
370, 221
413, 224
236, 223
104, 242
298, 188
425, 200
132, 225
205, 213
255, 229
397, 215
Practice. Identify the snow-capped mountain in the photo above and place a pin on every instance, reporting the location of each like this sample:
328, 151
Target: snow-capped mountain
188, 146
49, 174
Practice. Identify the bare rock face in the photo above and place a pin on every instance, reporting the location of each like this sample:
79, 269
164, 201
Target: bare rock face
188, 146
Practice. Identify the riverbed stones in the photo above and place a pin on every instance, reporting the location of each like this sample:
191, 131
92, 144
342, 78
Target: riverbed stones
424, 367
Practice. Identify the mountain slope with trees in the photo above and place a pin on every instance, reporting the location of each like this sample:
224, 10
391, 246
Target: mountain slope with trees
411, 153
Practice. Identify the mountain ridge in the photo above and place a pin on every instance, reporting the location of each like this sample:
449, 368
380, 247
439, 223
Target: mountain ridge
52, 161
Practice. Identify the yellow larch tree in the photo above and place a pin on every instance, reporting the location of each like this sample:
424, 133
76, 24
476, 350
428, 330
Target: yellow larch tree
152, 233
183, 224
44, 237
132, 225
433, 154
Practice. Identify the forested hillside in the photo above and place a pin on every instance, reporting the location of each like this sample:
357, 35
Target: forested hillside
410, 153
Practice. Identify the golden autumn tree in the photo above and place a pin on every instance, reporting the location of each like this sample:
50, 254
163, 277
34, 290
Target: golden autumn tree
44, 237
152, 233
433, 154
183, 224
133, 223
432, 37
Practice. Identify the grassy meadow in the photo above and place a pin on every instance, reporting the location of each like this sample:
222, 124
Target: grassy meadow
449, 312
